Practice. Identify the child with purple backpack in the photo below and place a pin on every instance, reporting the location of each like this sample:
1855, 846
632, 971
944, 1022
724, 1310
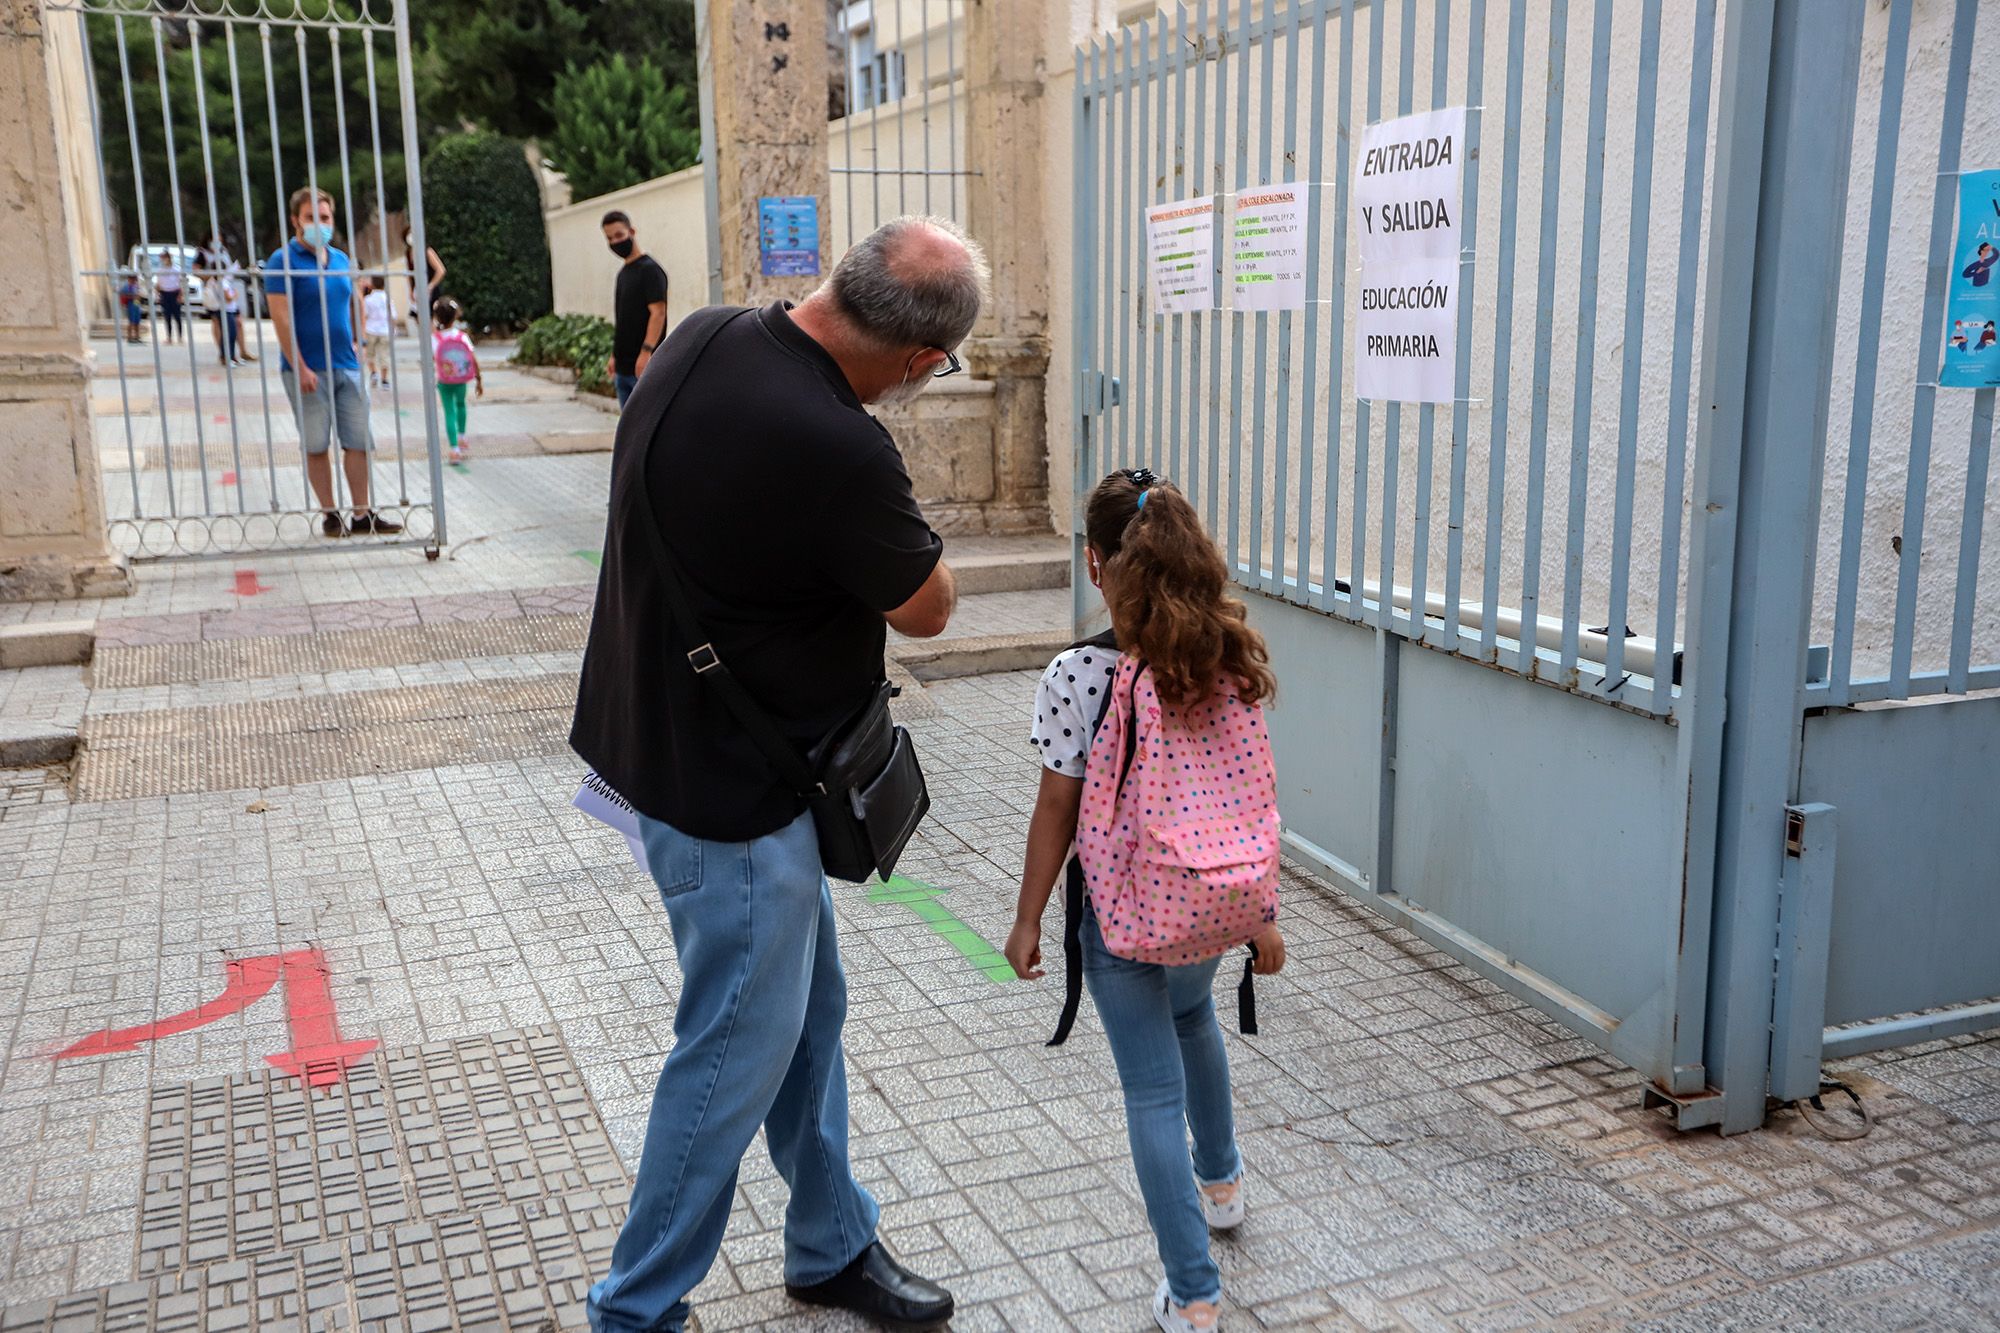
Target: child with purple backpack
1156, 768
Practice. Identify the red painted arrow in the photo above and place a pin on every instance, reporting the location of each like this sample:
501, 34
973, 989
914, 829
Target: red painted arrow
247, 585
318, 1055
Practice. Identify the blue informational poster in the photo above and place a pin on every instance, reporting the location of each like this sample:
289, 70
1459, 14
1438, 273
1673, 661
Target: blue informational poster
1972, 292
788, 235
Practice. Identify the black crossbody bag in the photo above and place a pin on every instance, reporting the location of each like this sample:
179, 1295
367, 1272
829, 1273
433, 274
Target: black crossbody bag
862, 782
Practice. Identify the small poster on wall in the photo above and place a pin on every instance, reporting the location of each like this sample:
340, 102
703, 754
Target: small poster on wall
1972, 295
1180, 238
1406, 202
788, 235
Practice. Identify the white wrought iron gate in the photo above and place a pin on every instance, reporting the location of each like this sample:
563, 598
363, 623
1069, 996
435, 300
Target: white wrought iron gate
205, 118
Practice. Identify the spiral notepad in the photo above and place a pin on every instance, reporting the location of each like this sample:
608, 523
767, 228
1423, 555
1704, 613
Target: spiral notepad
598, 799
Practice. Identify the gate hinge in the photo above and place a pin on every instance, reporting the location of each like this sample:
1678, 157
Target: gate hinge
1102, 392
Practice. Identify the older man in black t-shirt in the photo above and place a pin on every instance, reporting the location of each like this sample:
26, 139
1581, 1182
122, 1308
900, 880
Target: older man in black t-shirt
789, 512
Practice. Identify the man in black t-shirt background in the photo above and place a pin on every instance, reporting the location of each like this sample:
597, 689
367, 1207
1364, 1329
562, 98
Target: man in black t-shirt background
638, 304
790, 515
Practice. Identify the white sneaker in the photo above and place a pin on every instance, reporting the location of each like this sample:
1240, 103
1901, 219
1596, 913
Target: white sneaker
1222, 1205
1201, 1317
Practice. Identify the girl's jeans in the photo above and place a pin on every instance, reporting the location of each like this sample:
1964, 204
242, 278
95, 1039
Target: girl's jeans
1161, 1025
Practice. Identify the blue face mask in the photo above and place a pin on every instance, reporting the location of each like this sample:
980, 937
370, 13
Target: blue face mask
319, 235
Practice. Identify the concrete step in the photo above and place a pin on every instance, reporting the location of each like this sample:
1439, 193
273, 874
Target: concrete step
981, 655
47, 643
1008, 563
26, 744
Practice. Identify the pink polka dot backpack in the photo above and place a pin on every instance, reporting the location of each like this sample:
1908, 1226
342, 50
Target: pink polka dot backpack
1178, 832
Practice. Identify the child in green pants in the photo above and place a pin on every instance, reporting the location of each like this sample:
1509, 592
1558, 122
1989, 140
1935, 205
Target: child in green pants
457, 366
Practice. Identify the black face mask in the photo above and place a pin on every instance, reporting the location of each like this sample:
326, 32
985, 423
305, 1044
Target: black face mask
623, 249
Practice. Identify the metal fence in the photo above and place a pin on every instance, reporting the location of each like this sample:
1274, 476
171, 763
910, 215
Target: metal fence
899, 143
204, 119
1697, 466
1539, 522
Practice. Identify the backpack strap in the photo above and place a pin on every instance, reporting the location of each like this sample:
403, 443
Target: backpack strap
1074, 887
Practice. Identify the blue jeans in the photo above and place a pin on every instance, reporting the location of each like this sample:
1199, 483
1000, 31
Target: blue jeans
624, 384
337, 405
756, 1042
1160, 1022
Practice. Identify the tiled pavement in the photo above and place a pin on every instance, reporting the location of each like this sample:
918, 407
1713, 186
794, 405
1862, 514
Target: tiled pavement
1424, 1151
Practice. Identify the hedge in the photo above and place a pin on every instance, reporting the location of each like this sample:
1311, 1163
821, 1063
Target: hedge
483, 215
581, 342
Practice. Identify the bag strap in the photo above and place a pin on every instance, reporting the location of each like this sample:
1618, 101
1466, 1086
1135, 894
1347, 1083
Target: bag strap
1074, 888
644, 412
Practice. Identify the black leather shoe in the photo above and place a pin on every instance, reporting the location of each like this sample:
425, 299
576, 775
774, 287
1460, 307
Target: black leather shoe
876, 1287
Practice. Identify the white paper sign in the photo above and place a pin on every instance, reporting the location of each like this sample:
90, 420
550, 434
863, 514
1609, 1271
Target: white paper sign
1267, 249
1180, 238
1406, 201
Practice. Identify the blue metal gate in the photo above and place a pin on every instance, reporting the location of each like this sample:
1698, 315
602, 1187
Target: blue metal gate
1506, 627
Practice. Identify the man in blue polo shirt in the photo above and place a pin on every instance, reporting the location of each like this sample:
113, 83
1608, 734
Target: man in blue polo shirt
314, 308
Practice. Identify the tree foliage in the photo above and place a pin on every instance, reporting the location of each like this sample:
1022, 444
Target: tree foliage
483, 215
496, 63
618, 123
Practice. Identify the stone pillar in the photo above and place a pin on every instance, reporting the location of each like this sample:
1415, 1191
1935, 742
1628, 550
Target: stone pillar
769, 93
52, 541
1006, 143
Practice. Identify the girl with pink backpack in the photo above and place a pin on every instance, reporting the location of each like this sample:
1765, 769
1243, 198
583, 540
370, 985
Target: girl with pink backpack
457, 365
1156, 767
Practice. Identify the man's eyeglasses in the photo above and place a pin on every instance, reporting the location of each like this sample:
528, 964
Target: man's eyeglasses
951, 364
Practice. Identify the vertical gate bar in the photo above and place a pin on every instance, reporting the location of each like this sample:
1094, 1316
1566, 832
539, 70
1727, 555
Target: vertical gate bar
1234, 524
1638, 232
1083, 246
382, 240
874, 121
1140, 387
1197, 180
955, 111
1813, 78
419, 246
1461, 407
306, 502
1178, 191
111, 249
1692, 195
1586, 341
1260, 407
1281, 473
1128, 309
1314, 312
354, 240
924, 35
252, 268
215, 230
1336, 360
1420, 530
1212, 489
1545, 310
180, 247
1929, 347
1503, 336
1162, 192
899, 66
1363, 408
1861, 419
1970, 534
851, 82
1109, 306
336, 463
1392, 415
146, 248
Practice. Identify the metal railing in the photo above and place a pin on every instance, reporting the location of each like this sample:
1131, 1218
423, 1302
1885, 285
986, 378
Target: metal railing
900, 144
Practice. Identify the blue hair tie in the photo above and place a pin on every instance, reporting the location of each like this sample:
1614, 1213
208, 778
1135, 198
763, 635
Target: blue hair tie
1142, 501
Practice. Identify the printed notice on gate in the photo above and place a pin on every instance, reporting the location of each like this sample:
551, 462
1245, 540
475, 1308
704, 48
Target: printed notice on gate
1267, 249
1180, 238
1406, 218
1972, 296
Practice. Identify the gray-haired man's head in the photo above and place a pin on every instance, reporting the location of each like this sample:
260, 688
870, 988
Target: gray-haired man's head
914, 284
